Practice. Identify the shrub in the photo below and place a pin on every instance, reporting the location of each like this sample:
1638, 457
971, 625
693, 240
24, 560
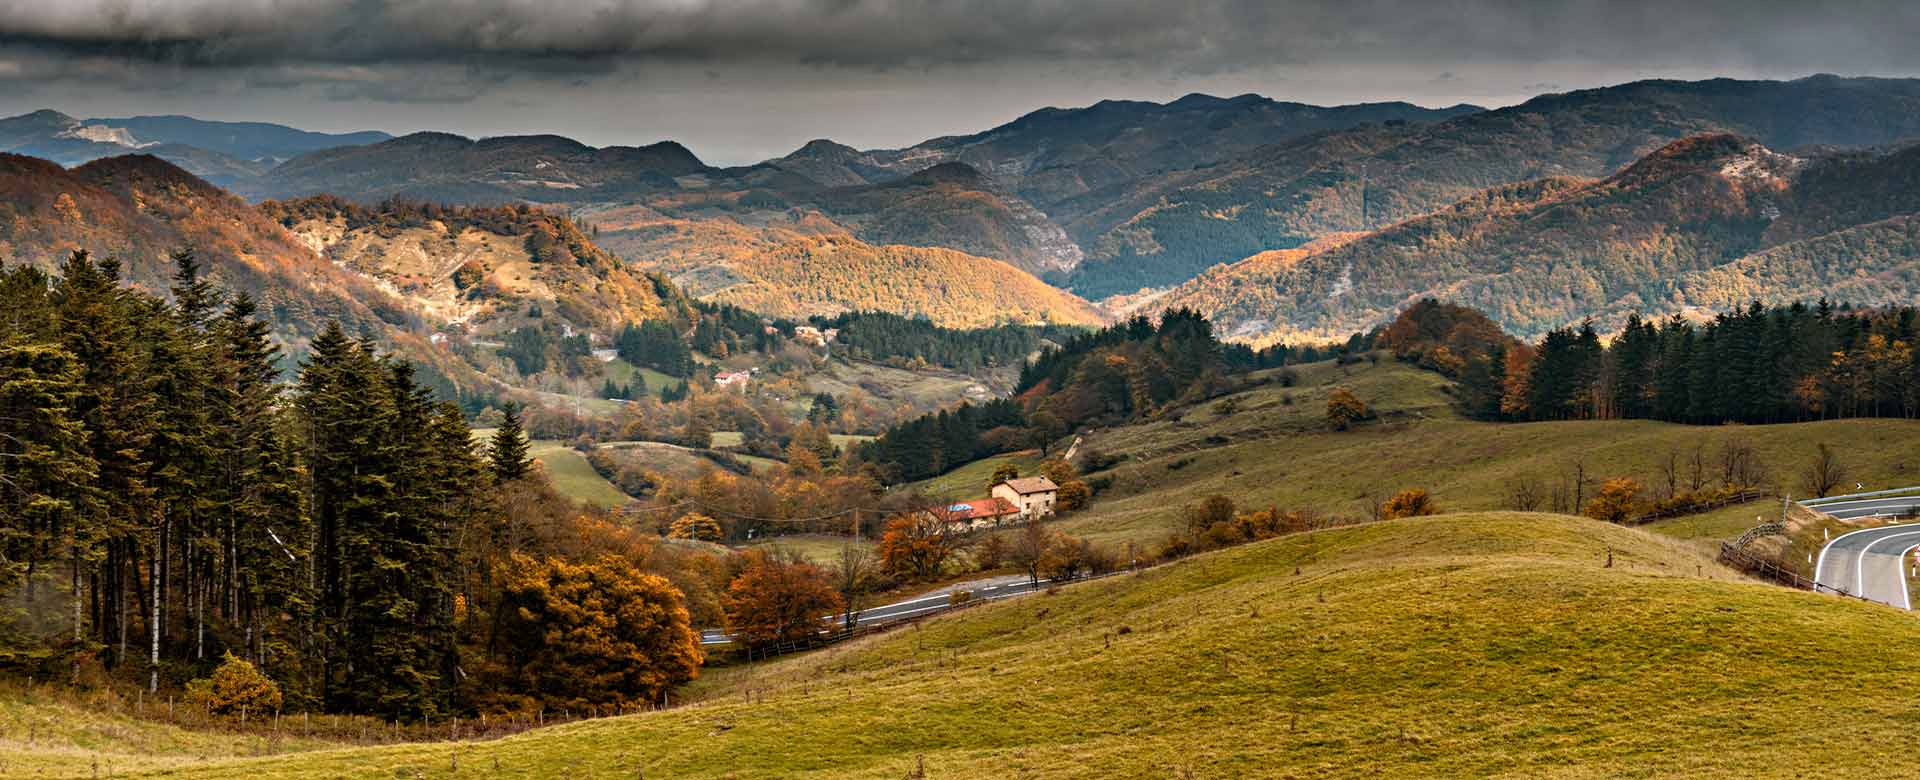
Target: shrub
1344, 409
236, 686
1409, 503
1209, 512
1074, 495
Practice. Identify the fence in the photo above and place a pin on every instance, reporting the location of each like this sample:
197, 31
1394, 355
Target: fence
1742, 497
1766, 568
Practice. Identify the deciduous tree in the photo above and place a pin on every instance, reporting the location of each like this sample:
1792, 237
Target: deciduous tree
775, 601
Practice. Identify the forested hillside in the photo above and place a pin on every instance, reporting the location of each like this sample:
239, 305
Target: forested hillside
1706, 222
140, 209
167, 503
1161, 231
803, 264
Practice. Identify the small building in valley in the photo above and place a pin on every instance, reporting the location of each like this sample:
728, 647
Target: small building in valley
733, 380
977, 515
1032, 496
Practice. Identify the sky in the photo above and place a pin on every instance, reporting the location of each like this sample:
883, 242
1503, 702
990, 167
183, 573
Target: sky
738, 81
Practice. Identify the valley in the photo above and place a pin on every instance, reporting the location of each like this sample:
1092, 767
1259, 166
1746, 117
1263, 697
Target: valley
1365, 439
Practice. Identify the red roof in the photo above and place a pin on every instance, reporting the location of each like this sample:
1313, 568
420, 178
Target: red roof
977, 509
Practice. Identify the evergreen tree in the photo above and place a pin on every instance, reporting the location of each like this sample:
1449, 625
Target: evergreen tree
508, 452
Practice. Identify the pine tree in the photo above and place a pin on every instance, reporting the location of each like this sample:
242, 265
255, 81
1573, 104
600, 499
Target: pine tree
508, 452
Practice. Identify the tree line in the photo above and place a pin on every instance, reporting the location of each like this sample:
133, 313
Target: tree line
167, 503
1758, 364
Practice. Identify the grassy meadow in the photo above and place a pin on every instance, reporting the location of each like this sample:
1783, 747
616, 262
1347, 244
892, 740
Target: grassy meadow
1495, 645
1270, 445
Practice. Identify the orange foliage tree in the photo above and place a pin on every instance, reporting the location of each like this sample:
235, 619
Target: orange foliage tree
773, 601
1617, 502
599, 633
916, 545
1413, 502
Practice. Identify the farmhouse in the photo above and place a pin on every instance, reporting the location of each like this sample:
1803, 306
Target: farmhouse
1032, 496
732, 380
976, 515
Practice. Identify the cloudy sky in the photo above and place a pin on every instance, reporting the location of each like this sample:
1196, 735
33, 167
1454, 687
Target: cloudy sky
743, 80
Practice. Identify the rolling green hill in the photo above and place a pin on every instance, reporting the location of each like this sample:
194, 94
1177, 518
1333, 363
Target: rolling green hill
1468, 645
1270, 446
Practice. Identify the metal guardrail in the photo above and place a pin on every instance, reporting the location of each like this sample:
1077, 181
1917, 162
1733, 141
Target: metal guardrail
1813, 502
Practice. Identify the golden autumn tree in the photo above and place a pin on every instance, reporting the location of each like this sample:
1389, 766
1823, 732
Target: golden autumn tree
235, 687
1344, 408
697, 527
774, 601
1617, 502
600, 633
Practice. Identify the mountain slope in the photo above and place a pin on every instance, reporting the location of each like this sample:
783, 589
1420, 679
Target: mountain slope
1164, 230
1467, 645
1703, 222
139, 209
480, 269
445, 168
803, 263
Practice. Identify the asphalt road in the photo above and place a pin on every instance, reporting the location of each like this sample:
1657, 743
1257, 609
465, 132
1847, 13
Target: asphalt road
988, 589
1870, 563
1871, 507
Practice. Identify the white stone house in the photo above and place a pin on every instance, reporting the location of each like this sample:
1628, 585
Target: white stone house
1033, 496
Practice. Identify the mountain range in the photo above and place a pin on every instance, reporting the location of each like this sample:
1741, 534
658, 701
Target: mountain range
224, 153
1703, 224
1283, 220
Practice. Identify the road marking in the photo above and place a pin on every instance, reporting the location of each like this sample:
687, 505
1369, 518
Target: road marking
1859, 561
1820, 567
1906, 599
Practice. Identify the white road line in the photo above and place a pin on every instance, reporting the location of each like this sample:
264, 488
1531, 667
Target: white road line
1820, 567
1906, 599
1859, 561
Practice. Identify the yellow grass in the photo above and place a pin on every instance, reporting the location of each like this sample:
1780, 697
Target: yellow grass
1484, 645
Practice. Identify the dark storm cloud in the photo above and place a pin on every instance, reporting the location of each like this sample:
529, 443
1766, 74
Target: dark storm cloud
1208, 35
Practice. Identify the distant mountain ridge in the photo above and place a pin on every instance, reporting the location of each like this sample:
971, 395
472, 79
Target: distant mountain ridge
224, 153
1701, 224
447, 168
1160, 231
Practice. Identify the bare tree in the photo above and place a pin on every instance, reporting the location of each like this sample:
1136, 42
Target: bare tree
1670, 473
1524, 494
1697, 466
1579, 486
852, 574
1824, 473
1029, 548
1740, 464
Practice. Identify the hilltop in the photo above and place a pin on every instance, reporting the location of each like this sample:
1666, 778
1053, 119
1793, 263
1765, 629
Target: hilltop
1491, 645
447, 168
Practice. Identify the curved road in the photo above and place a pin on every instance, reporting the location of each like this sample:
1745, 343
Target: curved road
1853, 509
1869, 563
